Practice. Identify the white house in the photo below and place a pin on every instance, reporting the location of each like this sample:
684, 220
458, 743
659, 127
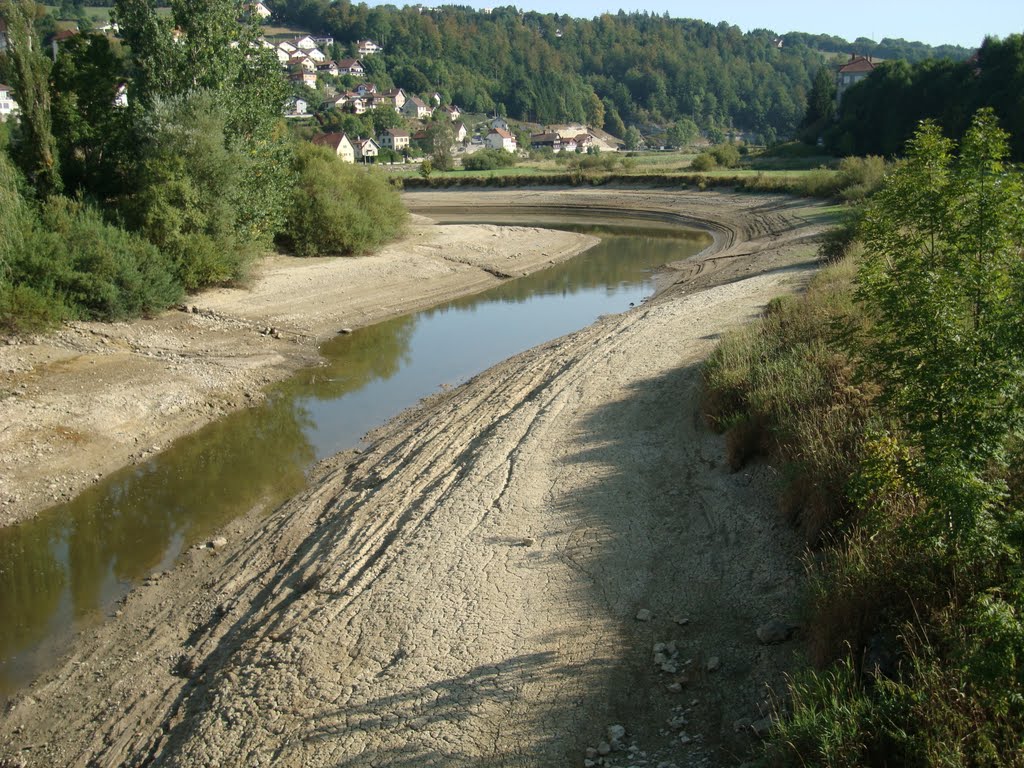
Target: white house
296, 107
499, 138
416, 108
304, 43
121, 95
338, 143
352, 67
8, 106
308, 79
260, 10
397, 97
499, 122
367, 150
460, 132
394, 138
367, 47
327, 68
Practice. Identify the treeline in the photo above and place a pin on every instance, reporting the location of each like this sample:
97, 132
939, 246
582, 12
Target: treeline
611, 71
888, 48
878, 115
115, 209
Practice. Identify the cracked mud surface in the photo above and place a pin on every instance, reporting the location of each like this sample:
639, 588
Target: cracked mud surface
467, 590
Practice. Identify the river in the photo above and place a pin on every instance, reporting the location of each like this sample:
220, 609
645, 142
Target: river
64, 570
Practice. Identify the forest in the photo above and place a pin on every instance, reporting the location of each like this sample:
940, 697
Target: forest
610, 71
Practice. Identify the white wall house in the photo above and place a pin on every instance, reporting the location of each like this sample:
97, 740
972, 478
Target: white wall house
339, 144
499, 138
8, 106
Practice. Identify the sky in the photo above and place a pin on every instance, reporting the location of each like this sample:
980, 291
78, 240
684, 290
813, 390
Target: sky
930, 21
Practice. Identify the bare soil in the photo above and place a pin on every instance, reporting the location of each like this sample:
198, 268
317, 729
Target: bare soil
489, 583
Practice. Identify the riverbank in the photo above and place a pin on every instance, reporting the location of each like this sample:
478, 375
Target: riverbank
484, 585
94, 397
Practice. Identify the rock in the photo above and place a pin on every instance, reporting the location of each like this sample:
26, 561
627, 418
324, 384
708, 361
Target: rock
644, 615
774, 632
740, 725
659, 647
616, 733
345, 331
714, 664
660, 658
604, 748
218, 543
674, 687
590, 754
682, 621
685, 739
762, 727
588, 763
669, 668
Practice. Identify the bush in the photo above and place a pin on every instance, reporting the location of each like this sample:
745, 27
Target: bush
726, 155
704, 162
338, 209
489, 160
860, 177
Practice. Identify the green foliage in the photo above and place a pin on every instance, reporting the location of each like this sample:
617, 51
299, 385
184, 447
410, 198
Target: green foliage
704, 162
682, 133
942, 280
338, 209
439, 142
190, 182
489, 160
34, 147
632, 138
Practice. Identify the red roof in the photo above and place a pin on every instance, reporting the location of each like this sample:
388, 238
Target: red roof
857, 64
332, 140
502, 132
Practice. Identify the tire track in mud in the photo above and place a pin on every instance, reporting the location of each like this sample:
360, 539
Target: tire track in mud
463, 592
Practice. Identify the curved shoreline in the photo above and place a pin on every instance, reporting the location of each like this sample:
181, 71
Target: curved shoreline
465, 589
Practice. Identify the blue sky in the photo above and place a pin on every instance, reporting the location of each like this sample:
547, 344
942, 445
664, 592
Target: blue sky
932, 21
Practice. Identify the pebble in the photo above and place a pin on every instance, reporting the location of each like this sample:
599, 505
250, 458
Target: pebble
675, 687
714, 664
644, 615
604, 748
616, 733
763, 726
219, 542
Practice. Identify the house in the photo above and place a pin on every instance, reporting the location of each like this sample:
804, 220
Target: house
356, 103
584, 141
61, 37
121, 95
316, 55
452, 111
395, 139
367, 47
260, 10
306, 64
327, 68
323, 42
397, 96
499, 122
334, 102
8, 106
338, 143
307, 79
304, 43
352, 67
416, 108
287, 47
546, 140
107, 28
366, 89
569, 145
460, 132
852, 72
367, 150
499, 138
296, 107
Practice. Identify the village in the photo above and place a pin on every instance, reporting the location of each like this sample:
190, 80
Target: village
340, 85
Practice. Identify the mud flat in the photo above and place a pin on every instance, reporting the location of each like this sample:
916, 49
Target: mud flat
510, 569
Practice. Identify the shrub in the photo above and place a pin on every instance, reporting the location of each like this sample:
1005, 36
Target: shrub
489, 160
860, 177
703, 162
726, 155
338, 209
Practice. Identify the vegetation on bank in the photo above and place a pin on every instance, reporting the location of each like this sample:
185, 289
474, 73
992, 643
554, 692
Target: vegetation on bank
891, 393
112, 211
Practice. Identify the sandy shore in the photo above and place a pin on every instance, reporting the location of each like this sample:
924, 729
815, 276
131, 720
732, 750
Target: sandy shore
512, 567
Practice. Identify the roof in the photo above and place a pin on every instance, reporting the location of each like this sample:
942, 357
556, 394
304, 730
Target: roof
501, 132
857, 64
332, 140
416, 101
349, 63
65, 34
5, 88
398, 133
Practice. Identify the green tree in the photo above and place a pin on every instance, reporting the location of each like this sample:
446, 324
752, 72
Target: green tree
440, 140
944, 282
35, 149
683, 132
632, 138
821, 105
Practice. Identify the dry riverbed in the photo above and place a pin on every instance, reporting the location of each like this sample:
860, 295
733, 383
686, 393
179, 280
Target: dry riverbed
549, 565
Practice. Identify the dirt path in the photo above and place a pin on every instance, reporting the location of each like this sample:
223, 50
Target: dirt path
487, 583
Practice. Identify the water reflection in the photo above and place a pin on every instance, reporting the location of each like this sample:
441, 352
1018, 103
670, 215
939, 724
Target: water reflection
65, 567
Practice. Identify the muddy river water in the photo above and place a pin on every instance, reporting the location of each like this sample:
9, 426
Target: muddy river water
65, 569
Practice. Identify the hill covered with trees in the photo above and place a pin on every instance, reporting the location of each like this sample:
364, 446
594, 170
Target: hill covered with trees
610, 71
